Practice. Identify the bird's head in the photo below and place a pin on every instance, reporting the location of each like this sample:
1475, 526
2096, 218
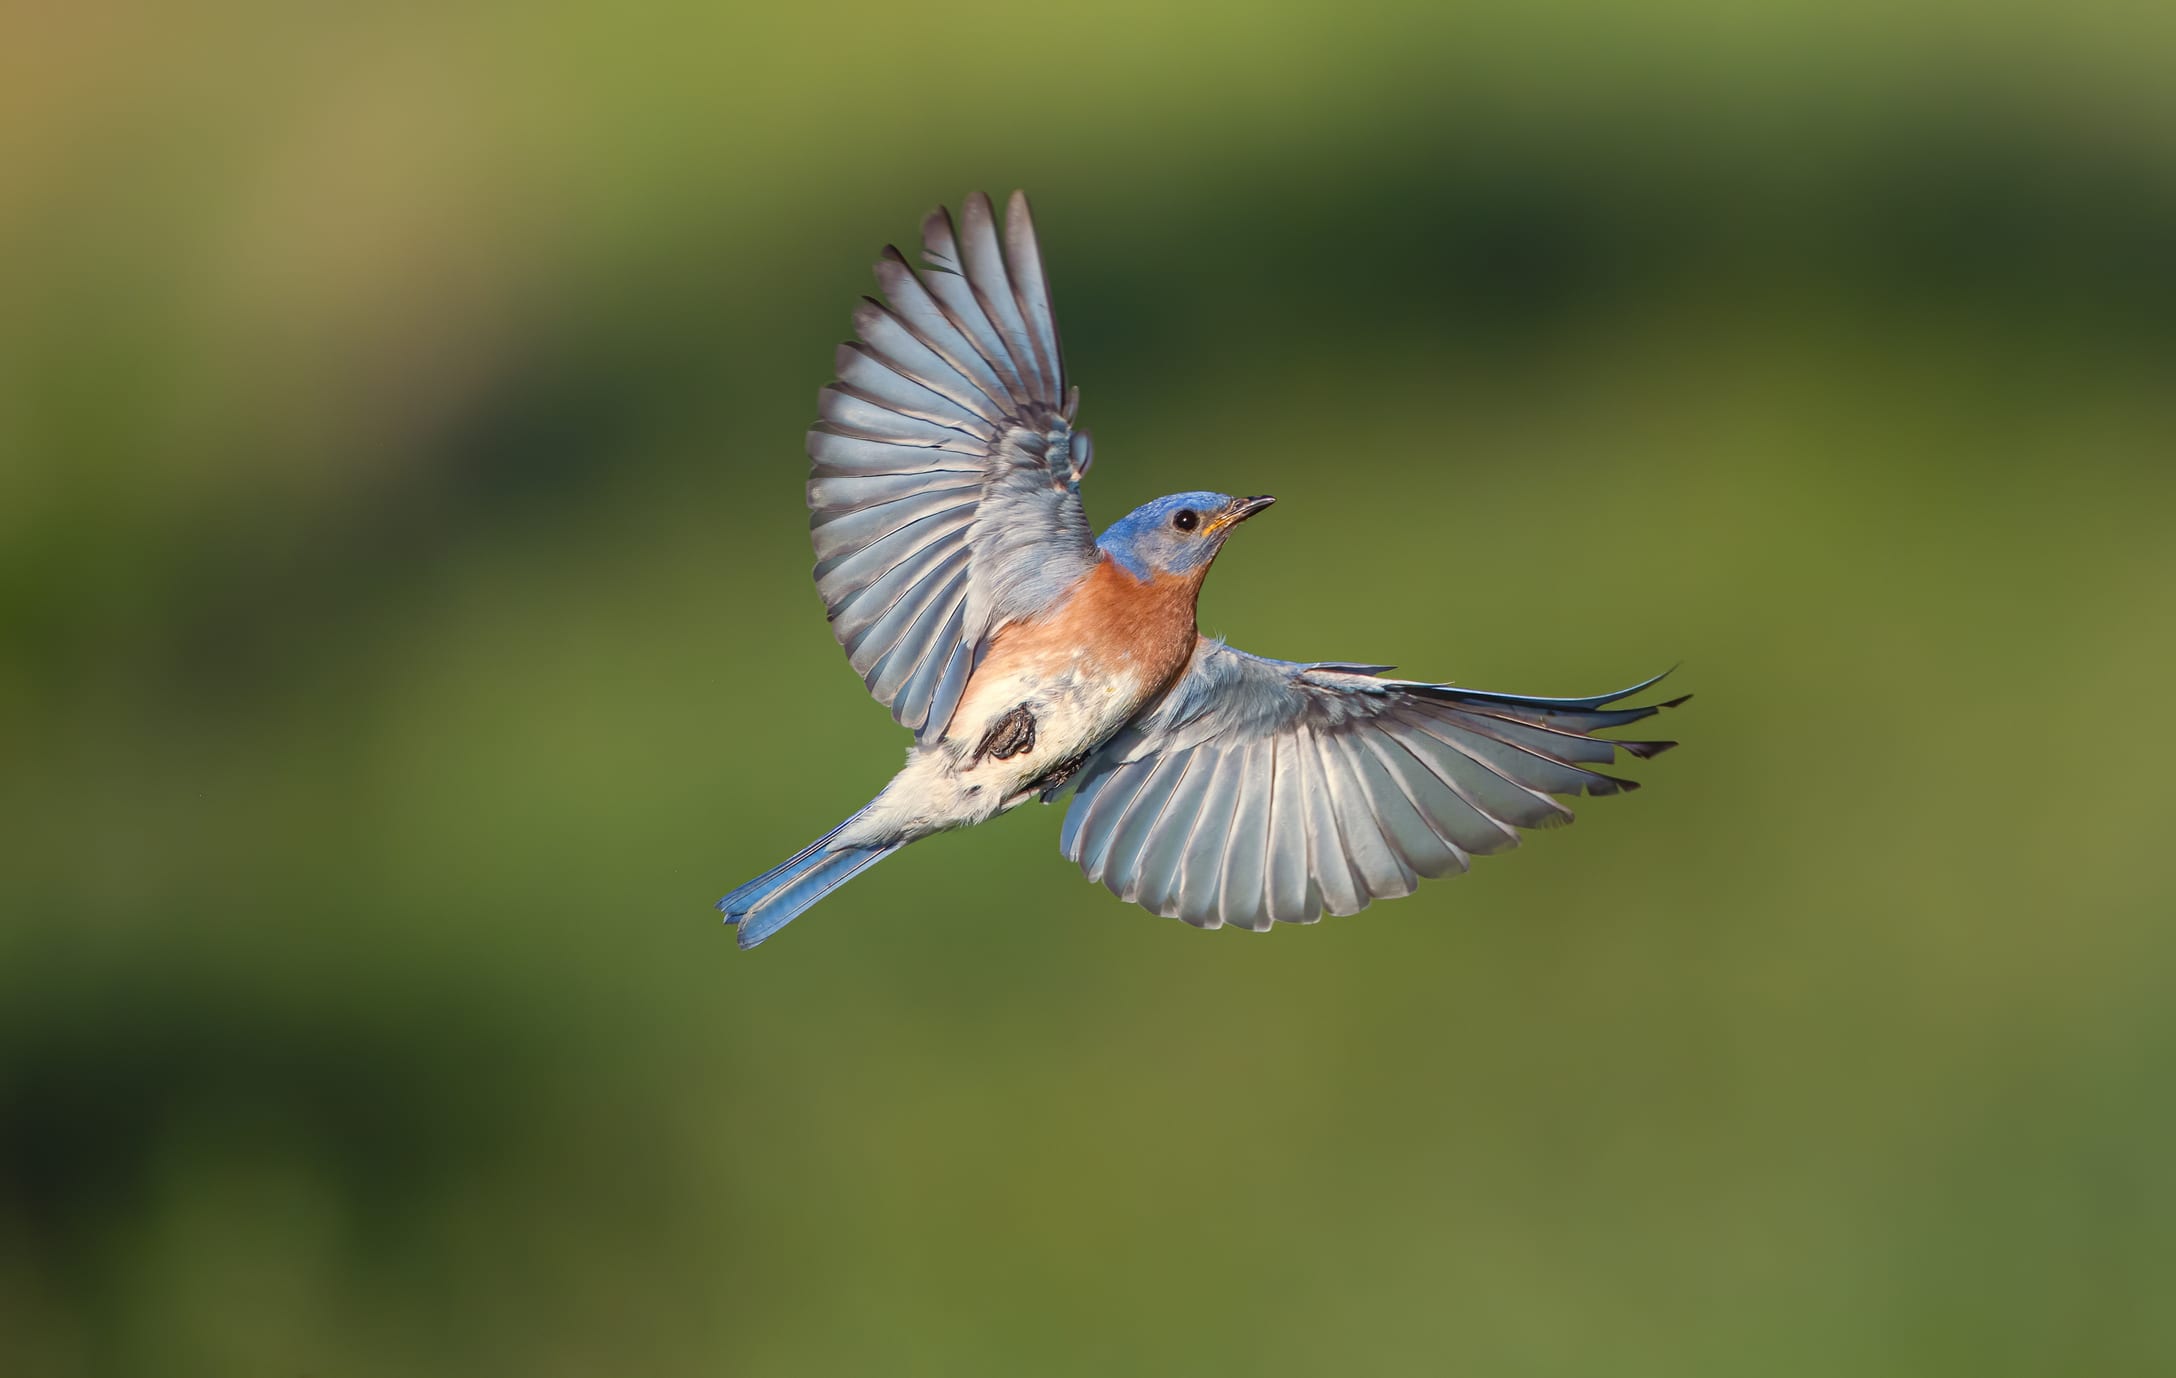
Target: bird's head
1180, 534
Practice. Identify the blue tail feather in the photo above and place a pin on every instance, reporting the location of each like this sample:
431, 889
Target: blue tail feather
780, 895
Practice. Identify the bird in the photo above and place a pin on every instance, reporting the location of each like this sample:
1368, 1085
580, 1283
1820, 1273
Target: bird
1030, 656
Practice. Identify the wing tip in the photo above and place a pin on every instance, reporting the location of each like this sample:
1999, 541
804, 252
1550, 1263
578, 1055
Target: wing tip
1590, 703
940, 241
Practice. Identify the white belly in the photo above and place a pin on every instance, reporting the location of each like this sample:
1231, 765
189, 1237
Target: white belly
946, 784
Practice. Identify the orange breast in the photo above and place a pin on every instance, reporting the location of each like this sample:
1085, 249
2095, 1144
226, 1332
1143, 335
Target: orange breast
1115, 623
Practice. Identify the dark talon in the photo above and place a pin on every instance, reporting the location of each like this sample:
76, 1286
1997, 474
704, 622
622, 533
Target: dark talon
1008, 736
1050, 784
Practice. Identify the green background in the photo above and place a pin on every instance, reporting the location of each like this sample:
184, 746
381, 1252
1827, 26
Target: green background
407, 635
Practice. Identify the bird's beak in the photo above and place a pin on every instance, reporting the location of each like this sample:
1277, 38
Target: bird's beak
1239, 511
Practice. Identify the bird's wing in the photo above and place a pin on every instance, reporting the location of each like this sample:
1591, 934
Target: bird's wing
946, 480
1262, 790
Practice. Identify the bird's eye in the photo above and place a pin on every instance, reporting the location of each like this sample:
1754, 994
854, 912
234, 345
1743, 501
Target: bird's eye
1186, 519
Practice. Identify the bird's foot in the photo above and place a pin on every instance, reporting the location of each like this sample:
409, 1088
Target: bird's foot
1049, 784
1007, 737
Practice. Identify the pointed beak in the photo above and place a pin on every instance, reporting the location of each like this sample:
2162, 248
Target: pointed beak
1239, 511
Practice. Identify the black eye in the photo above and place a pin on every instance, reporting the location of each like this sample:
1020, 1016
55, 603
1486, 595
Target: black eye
1186, 519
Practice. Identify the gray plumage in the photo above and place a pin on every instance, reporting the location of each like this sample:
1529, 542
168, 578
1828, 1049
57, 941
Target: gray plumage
1262, 790
945, 492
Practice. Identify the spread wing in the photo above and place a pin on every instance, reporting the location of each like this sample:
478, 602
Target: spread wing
946, 479
1262, 790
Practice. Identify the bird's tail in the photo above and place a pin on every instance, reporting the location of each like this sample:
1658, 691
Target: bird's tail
778, 896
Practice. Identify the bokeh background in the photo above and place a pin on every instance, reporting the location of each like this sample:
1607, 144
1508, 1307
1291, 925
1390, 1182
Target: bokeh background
407, 635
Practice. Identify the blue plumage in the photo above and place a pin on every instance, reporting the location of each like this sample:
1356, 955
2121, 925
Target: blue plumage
780, 895
1175, 535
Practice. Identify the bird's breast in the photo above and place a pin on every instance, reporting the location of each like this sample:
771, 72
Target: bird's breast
1087, 666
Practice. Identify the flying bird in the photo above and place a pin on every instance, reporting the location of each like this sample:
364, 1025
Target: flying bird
1029, 655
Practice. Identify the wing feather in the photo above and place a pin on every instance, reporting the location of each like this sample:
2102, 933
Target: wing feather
1556, 740
1493, 790
838, 454
1530, 766
1109, 812
1343, 892
944, 479
856, 612
903, 351
987, 274
925, 318
1197, 897
837, 535
1243, 887
849, 413
947, 282
1435, 853
1381, 872
1100, 796
1452, 806
830, 493
1294, 895
909, 624
924, 536
914, 646
882, 612
869, 377
1031, 289
1155, 884
1122, 867
1258, 791
922, 694
951, 680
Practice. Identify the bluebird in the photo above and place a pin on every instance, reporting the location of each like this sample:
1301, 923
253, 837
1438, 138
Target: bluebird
1029, 655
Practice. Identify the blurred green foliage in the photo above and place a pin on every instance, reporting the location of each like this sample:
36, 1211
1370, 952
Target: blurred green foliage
405, 635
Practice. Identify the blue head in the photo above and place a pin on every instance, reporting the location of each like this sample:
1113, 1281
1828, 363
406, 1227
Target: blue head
1180, 534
